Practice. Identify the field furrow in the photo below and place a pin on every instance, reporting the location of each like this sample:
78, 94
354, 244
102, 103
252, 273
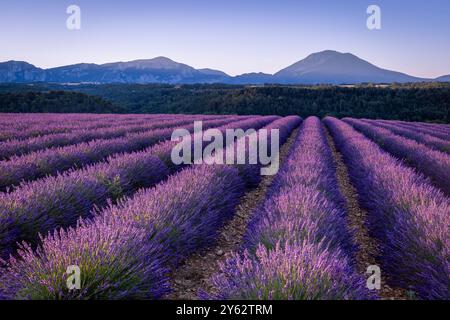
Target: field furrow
20, 147
193, 276
433, 164
426, 139
152, 206
406, 214
17, 131
443, 134
132, 244
297, 245
43, 205
56, 160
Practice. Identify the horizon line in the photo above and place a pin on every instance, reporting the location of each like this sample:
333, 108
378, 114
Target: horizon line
218, 69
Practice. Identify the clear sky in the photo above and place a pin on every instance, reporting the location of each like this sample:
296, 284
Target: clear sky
235, 36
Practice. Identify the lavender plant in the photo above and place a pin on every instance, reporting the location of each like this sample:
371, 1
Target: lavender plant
297, 245
125, 251
426, 139
432, 163
406, 214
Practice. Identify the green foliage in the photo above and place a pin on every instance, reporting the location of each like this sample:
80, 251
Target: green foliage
55, 102
410, 102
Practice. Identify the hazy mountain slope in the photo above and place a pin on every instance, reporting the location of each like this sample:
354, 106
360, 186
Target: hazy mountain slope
323, 67
335, 67
214, 76
253, 78
160, 70
20, 71
443, 78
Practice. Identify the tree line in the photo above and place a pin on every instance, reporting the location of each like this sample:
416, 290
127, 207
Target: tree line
412, 102
55, 102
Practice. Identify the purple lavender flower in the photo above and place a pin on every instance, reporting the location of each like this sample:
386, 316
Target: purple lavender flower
125, 251
297, 245
406, 214
424, 138
434, 164
289, 272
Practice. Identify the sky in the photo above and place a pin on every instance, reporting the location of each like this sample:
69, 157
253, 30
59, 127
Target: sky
235, 36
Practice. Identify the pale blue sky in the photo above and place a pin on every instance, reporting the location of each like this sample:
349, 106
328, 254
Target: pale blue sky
235, 36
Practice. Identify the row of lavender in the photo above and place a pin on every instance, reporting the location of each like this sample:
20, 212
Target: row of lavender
126, 250
416, 134
432, 163
42, 205
434, 130
27, 119
297, 245
326, 244
23, 126
406, 214
22, 130
278, 240
51, 161
19, 147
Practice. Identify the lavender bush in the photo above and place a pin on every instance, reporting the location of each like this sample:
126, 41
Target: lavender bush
433, 130
125, 251
43, 205
19, 147
297, 245
174, 219
291, 272
51, 161
426, 139
432, 163
407, 215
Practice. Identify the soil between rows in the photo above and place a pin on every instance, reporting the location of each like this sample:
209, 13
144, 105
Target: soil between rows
195, 274
368, 248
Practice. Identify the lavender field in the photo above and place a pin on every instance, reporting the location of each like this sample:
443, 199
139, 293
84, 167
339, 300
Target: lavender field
101, 193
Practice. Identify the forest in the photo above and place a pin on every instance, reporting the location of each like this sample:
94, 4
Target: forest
428, 102
55, 102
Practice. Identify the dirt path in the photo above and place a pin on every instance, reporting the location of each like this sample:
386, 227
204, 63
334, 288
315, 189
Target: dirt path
196, 272
368, 248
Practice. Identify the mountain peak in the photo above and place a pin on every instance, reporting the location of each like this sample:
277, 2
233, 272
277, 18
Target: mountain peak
154, 63
323, 57
328, 66
329, 54
20, 71
17, 63
162, 59
335, 67
326, 53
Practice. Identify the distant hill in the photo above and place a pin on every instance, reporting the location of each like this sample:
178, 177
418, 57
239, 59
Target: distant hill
444, 78
327, 67
214, 76
157, 70
19, 71
253, 78
337, 68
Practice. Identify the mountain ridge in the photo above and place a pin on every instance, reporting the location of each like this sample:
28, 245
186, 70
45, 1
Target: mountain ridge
325, 67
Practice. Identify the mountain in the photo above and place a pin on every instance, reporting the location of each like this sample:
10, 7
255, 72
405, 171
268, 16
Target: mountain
214, 76
328, 66
19, 71
443, 78
253, 78
213, 72
159, 70
338, 68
